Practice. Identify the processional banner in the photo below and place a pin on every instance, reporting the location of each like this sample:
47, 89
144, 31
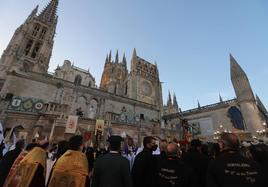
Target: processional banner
71, 124
99, 126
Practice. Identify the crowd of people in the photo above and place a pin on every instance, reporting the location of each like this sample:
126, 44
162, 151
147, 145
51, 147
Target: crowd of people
226, 163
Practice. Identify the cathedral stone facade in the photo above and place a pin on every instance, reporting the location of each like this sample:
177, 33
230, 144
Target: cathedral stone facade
40, 102
128, 101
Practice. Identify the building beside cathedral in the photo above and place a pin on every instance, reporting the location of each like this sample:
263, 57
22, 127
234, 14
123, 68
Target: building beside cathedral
129, 102
244, 115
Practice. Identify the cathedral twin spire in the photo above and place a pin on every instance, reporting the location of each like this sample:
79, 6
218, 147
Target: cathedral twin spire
171, 102
109, 59
49, 13
220, 98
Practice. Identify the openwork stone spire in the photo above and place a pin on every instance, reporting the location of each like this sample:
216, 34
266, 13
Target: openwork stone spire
124, 61
198, 104
175, 103
116, 57
169, 101
220, 98
48, 15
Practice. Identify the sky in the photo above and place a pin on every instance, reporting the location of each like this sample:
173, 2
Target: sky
189, 39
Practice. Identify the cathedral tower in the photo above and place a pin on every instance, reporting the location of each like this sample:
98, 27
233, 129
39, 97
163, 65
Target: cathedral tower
30, 48
114, 76
144, 83
245, 97
172, 106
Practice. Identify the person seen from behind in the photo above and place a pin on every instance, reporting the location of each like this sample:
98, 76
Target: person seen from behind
112, 169
71, 169
172, 172
231, 169
143, 170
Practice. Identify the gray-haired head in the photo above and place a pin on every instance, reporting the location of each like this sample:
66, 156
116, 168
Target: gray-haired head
230, 141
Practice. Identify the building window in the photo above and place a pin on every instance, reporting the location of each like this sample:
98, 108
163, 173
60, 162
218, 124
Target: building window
126, 88
115, 89
36, 49
42, 34
36, 30
26, 67
9, 97
142, 117
77, 80
28, 47
236, 118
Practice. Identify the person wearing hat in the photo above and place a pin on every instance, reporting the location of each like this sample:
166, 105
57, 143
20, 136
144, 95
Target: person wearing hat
112, 169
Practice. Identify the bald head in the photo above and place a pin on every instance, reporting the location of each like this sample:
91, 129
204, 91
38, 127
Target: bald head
173, 149
230, 141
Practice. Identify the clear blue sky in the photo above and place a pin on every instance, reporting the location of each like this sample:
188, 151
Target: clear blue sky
189, 39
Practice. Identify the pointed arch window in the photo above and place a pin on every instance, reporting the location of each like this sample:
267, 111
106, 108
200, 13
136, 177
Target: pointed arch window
36, 50
115, 88
36, 30
43, 32
77, 80
236, 118
126, 88
26, 67
28, 47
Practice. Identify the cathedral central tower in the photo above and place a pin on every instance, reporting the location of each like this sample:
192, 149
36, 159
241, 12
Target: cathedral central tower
114, 76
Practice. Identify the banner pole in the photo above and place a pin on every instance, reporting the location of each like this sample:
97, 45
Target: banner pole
52, 131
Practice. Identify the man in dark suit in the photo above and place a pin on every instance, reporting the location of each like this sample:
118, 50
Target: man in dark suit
112, 170
143, 171
197, 161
